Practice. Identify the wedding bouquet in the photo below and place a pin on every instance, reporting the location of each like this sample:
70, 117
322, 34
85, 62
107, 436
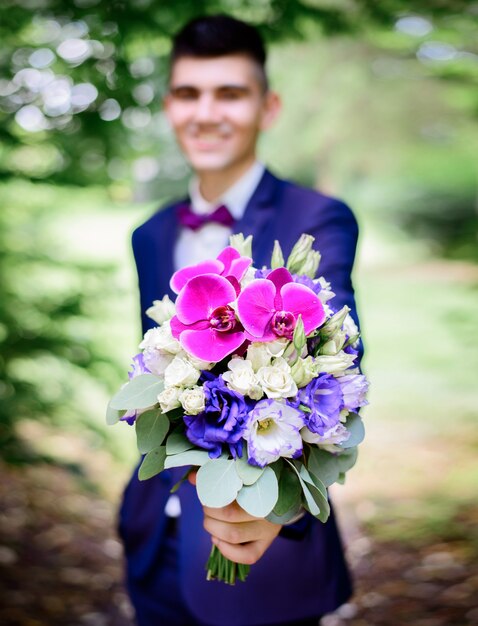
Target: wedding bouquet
251, 377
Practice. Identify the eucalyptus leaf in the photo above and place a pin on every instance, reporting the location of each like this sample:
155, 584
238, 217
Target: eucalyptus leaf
283, 519
260, 498
140, 392
356, 429
151, 429
312, 496
188, 457
217, 482
289, 493
112, 415
178, 442
248, 473
153, 463
318, 492
327, 466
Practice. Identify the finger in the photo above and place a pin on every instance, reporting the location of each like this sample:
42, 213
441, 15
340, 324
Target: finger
247, 554
241, 532
230, 513
192, 476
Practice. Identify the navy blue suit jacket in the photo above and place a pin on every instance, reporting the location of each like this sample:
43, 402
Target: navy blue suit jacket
303, 574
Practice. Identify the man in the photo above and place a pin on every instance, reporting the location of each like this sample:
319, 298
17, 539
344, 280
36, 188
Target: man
218, 103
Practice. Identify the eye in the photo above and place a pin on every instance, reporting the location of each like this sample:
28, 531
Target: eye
184, 93
231, 93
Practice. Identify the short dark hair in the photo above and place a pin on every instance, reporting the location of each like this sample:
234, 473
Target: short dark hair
220, 35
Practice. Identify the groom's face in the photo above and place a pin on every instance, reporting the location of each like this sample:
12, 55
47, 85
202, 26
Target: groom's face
217, 108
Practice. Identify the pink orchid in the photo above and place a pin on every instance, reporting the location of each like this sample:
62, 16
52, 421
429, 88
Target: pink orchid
229, 263
205, 325
269, 307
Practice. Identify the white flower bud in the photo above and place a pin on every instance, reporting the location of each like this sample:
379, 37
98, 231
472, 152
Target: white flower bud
181, 373
304, 370
276, 379
243, 246
277, 259
241, 378
261, 354
169, 399
335, 364
311, 264
299, 254
161, 338
162, 310
193, 400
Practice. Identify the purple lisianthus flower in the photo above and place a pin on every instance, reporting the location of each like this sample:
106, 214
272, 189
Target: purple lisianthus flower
138, 367
263, 273
323, 396
273, 431
334, 436
222, 422
354, 390
308, 282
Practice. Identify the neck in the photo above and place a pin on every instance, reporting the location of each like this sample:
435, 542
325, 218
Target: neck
213, 184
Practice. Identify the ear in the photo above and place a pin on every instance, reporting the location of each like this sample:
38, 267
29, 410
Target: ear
271, 108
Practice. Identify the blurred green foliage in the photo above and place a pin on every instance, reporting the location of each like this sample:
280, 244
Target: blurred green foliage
51, 366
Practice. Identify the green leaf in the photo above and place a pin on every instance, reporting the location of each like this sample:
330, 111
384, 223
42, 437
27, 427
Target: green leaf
313, 497
112, 415
188, 457
151, 429
153, 463
178, 442
248, 473
318, 492
327, 466
217, 482
139, 393
260, 498
356, 429
289, 493
283, 519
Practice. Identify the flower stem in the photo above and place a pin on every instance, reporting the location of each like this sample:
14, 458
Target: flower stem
222, 569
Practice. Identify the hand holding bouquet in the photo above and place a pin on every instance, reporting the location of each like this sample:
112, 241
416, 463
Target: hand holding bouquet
251, 376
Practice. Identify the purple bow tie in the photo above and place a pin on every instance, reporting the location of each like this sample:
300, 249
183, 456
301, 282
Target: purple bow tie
189, 219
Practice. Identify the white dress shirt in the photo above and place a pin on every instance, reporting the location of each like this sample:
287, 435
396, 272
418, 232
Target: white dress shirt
194, 246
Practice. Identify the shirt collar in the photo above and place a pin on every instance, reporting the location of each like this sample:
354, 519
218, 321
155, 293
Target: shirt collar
235, 198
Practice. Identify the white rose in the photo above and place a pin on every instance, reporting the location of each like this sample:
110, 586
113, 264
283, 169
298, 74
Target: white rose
303, 371
161, 338
193, 400
241, 378
261, 354
157, 361
181, 373
276, 379
161, 310
169, 399
335, 364
197, 363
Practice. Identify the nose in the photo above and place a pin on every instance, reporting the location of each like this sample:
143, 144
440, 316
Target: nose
207, 110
